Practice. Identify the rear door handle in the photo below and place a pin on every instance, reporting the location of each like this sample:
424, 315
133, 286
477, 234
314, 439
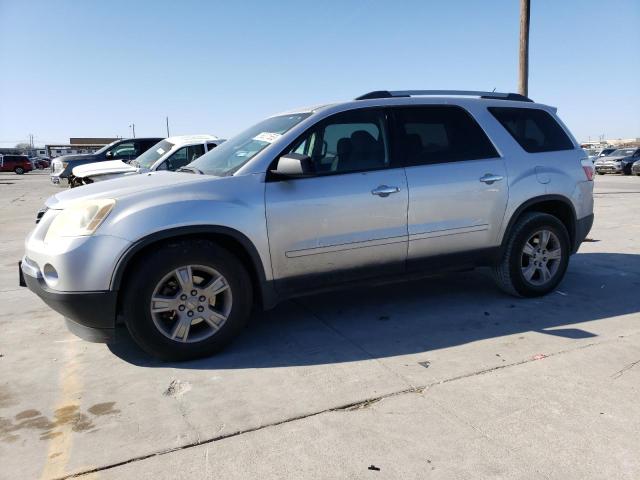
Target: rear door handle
490, 178
384, 190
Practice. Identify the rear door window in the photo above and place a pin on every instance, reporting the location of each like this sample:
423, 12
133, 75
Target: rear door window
534, 129
439, 134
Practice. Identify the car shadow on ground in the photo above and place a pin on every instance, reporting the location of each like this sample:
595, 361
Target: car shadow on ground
418, 316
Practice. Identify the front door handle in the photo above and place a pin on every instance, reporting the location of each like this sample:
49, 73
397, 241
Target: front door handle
384, 190
490, 178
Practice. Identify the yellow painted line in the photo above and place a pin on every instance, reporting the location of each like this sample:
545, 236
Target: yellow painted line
60, 442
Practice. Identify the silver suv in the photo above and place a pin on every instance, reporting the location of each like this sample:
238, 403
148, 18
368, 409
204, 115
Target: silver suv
387, 185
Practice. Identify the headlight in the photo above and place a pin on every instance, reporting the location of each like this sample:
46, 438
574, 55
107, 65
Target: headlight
80, 219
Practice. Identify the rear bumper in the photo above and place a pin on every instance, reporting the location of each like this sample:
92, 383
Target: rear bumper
90, 315
583, 227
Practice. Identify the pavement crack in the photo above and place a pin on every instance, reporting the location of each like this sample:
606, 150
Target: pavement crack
619, 373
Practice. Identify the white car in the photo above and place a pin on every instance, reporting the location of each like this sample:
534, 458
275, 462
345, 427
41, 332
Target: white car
169, 154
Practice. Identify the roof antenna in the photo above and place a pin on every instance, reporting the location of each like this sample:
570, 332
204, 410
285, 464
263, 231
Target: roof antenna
494, 89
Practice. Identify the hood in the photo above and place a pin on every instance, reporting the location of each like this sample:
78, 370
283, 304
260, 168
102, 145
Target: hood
79, 156
616, 158
103, 168
126, 186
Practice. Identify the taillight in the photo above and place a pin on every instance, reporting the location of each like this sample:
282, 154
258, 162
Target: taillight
587, 166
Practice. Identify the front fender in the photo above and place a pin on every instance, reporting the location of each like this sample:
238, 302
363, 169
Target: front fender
233, 206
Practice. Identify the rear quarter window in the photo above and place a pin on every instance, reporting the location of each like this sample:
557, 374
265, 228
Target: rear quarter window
534, 129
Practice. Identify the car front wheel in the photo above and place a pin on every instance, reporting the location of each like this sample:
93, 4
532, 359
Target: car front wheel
187, 300
535, 257
19, 170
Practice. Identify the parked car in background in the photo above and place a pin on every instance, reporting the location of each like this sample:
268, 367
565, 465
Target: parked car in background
15, 163
605, 152
635, 168
169, 154
315, 199
595, 154
619, 161
125, 150
40, 163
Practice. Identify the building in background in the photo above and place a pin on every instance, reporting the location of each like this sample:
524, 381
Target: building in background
77, 145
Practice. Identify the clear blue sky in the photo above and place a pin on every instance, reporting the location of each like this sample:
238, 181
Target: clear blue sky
90, 68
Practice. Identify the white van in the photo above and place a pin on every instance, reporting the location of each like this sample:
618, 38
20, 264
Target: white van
168, 154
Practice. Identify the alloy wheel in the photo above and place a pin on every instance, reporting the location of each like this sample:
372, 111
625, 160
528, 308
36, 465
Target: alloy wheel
191, 303
541, 257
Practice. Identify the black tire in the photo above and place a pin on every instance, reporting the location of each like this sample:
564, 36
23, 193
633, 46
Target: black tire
152, 268
599, 173
626, 171
19, 170
508, 271
74, 182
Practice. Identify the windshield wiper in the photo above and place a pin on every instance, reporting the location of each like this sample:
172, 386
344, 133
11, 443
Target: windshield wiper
190, 170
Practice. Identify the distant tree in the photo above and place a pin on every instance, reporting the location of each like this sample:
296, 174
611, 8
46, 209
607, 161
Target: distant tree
23, 146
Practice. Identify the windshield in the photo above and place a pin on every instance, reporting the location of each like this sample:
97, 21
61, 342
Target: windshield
623, 152
227, 158
105, 148
151, 156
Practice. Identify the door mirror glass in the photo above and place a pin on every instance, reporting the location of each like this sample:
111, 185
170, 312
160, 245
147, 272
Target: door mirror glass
294, 165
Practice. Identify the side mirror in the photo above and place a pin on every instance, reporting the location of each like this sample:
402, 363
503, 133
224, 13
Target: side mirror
294, 165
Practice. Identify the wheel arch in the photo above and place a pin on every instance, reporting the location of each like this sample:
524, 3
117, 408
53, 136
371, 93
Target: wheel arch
229, 238
557, 205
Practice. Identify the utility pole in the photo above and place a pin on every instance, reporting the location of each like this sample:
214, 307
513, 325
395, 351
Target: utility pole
167, 118
133, 128
523, 81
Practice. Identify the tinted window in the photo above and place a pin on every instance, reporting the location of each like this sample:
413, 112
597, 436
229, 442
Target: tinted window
534, 129
144, 145
346, 142
439, 134
125, 150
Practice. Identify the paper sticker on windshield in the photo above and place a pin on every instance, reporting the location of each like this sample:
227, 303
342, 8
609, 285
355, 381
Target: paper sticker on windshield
267, 137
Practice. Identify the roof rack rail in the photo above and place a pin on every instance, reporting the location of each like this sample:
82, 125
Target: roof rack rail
462, 93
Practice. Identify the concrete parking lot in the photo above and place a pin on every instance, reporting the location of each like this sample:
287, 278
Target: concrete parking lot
439, 378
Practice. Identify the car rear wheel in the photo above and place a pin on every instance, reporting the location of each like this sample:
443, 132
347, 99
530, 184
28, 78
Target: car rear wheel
535, 257
19, 170
187, 300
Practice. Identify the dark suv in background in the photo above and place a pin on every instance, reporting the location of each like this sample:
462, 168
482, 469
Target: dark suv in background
15, 163
125, 150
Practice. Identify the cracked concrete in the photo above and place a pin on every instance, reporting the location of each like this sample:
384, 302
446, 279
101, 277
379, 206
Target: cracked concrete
330, 385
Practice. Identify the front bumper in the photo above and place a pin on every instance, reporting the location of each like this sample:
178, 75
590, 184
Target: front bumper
608, 169
90, 315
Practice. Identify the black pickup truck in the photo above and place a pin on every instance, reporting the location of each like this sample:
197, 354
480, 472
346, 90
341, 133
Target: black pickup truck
125, 150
